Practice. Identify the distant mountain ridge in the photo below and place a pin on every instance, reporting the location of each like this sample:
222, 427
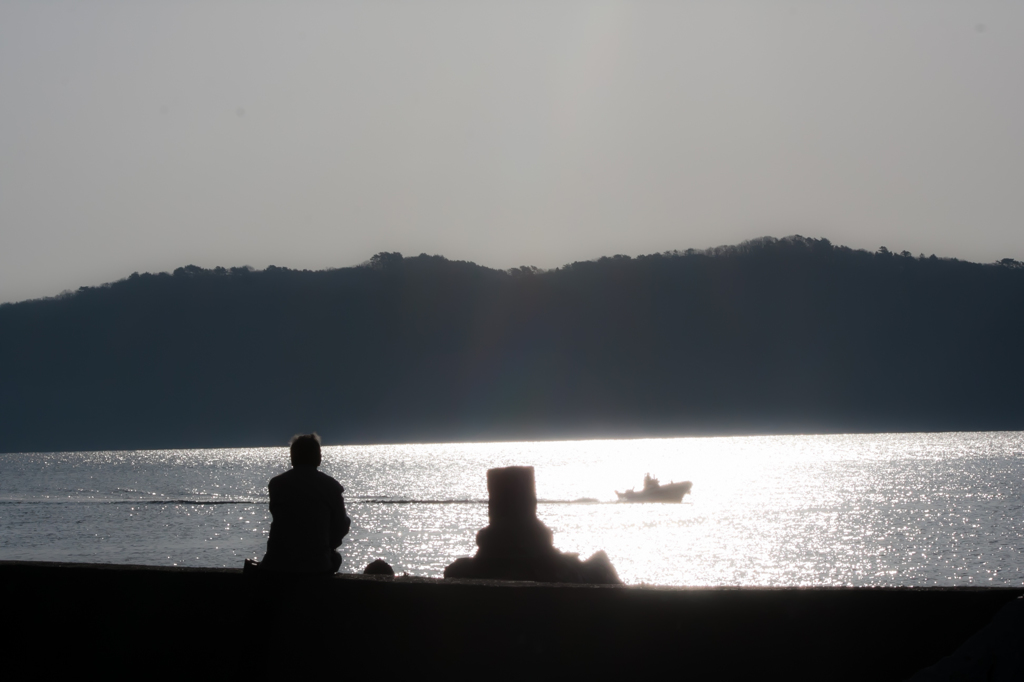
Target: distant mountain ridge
771, 336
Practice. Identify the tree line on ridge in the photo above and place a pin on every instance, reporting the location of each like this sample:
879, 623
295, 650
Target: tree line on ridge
770, 336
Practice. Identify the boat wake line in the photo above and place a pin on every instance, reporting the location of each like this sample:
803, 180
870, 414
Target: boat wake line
348, 500
380, 500
72, 500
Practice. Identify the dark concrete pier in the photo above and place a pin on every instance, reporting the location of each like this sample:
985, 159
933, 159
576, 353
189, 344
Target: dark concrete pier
180, 621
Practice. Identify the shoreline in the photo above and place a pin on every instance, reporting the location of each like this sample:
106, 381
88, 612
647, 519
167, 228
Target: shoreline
712, 632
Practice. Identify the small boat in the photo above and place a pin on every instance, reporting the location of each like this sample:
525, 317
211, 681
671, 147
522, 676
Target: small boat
655, 492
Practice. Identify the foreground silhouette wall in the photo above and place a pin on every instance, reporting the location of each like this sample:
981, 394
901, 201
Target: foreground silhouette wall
175, 622
772, 336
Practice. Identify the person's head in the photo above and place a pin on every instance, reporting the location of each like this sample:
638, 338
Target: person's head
305, 450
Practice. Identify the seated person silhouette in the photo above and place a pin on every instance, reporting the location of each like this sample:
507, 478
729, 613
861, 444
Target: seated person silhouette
309, 515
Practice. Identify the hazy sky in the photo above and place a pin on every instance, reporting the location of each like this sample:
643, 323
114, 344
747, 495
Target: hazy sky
142, 136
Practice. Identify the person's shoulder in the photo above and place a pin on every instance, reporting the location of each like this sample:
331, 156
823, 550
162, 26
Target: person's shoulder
282, 479
330, 481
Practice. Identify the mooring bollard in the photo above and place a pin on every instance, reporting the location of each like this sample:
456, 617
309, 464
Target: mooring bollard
512, 495
516, 545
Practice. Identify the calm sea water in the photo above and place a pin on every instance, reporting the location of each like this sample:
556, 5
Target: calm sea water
894, 509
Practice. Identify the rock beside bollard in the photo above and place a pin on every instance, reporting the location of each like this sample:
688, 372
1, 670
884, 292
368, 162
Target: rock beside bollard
598, 569
378, 567
516, 545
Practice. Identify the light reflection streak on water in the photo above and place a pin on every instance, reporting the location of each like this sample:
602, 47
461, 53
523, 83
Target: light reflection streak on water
892, 509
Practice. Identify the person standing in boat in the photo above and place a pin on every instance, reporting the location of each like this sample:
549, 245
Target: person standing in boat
309, 518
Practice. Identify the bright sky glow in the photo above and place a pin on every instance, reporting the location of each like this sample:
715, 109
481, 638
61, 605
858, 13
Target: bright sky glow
148, 135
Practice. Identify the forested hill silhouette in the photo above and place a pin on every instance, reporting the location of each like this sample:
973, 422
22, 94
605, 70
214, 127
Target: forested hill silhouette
771, 336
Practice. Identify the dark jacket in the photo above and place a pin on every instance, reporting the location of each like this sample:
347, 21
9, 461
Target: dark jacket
309, 522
